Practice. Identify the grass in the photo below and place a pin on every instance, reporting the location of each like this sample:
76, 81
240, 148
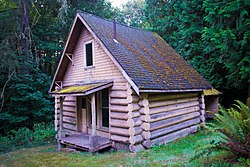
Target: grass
177, 153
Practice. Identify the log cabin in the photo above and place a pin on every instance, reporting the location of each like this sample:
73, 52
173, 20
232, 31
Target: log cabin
123, 87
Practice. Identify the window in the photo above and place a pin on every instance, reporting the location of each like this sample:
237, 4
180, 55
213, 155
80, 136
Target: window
88, 53
105, 107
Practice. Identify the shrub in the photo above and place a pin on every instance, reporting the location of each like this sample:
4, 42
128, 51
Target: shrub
24, 137
233, 126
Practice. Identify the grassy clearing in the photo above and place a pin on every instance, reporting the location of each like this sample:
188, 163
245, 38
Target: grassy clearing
177, 153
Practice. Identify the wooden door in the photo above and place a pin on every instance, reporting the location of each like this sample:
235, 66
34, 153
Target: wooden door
81, 115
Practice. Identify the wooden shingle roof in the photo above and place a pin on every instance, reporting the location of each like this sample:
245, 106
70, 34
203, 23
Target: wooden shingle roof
147, 59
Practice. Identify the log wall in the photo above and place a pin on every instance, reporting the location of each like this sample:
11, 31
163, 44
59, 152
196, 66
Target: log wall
174, 115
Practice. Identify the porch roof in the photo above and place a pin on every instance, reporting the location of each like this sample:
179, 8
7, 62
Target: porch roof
81, 90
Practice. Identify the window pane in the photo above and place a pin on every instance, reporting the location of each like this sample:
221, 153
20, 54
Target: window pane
105, 117
105, 98
105, 108
89, 55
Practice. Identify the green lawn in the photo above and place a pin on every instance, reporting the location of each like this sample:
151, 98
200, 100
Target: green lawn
177, 153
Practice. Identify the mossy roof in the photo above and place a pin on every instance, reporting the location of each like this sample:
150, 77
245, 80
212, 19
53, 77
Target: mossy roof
80, 88
210, 92
148, 60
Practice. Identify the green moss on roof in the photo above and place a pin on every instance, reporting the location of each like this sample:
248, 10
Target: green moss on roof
211, 92
77, 89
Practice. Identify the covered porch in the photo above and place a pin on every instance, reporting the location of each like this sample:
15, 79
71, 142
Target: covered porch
82, 140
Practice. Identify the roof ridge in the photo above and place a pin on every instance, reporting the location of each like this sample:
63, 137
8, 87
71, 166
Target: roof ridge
122, 24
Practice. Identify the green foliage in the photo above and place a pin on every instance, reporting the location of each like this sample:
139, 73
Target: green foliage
213, 36
24, 137
233, 126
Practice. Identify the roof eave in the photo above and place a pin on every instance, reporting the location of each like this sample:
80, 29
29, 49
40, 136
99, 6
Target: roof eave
168, 91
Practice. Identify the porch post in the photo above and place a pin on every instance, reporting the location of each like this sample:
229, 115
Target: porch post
93, 109
60, 133
93, 139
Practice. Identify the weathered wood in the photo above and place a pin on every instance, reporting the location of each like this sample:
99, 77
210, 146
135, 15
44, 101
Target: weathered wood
174, 113
145, 126
146, 134
172, 121
154, 104
69, 120
170, 129
202, 106
136, 148
147, 144
93, 109
132, 98
119, 108
135, 139
143, 103
144, 110
173, 107
68, 108
173, 136
119, 138
122, 123
119, 88
124, 116
138, 130
61, 117
118, 94
122, 131
156, 97
145, 118
202, 118
123, 102
69, 126
137, 121
70, 114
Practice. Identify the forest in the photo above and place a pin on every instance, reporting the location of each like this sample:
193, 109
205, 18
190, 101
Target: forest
213, 36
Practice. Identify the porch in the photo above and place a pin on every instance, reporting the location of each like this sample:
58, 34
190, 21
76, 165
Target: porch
85, 142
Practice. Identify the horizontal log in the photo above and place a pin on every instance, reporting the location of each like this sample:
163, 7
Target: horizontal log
202, 118
170, 129
70, 98
143, 103
68, 132
136, 148
124, 116
119, 138
69, 126
147, 144
137, 121
122, 131
173, 136
202, 106
145, 118
119, 108
118, 94
138, 130
119, 88
69, 103
173, 107
169, 102
158, 97
146, 135
145, 126
132, 99
123, 102
174, 113
69, 120
202, 112
144, 110
67, 108
172, 121
122, 123
70, 114
135, 139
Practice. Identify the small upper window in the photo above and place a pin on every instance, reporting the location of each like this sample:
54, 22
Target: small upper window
89, 54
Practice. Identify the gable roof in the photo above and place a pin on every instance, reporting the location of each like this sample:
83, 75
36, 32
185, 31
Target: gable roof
149, 62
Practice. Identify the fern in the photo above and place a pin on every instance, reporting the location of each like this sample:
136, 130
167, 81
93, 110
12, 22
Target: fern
233, 126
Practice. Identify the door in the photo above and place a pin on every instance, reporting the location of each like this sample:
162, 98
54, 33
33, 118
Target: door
82, 115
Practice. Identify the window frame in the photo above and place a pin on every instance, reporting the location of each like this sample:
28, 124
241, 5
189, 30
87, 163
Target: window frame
85, 55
